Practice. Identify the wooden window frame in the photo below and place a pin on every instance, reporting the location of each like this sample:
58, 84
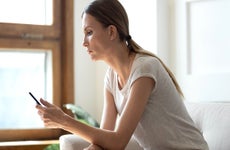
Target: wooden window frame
59, 39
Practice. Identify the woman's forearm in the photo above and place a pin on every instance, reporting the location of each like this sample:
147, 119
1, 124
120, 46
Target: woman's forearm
104, 138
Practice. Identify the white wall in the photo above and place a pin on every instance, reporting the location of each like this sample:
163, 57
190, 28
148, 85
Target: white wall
88, 74
200, 45
144, 29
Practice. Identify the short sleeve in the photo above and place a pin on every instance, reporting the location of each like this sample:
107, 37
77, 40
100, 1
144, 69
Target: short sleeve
145, 68
108, 79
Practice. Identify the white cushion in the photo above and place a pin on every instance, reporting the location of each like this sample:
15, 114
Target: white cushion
213, 120
74, 142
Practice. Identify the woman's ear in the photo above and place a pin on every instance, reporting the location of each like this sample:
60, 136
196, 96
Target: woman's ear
112, 31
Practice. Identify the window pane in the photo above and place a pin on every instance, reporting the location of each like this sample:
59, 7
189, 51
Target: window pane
38, 12
20, 73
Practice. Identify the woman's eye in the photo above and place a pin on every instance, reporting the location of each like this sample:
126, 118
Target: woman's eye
89, 33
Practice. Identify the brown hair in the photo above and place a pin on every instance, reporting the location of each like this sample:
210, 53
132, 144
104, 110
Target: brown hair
111, 12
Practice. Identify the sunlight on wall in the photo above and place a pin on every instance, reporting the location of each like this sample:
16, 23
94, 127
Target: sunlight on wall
142, 22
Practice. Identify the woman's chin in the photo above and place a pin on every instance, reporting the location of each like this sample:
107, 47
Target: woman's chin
93, 58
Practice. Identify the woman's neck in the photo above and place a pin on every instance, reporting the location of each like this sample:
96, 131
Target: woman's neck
125, 70
122, 64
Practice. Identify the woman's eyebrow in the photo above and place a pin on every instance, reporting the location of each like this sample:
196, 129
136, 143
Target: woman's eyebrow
86, 27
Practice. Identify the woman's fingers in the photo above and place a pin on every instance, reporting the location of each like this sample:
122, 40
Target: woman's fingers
50, 114
45, 103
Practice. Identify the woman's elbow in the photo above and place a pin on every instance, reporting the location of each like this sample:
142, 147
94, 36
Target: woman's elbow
119, 144
115, 141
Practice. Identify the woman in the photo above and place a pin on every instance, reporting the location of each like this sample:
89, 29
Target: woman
142, 97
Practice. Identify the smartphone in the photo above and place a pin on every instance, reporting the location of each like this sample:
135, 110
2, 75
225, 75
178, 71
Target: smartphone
34, 98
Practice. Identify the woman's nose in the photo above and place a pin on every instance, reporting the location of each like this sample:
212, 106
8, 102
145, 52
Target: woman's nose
85, 43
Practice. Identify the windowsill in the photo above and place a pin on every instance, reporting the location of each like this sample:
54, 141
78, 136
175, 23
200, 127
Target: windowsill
28, 143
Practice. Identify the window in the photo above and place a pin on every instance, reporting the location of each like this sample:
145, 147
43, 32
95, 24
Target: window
35, 56
22, 71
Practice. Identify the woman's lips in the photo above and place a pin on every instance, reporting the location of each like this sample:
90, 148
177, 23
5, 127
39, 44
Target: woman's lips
89, 51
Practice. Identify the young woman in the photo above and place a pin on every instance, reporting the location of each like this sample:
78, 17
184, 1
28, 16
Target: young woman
142, 97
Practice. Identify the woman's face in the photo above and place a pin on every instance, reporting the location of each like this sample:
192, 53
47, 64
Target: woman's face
96, 38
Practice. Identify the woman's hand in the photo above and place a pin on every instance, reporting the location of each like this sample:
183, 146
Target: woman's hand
51, 115
93, 147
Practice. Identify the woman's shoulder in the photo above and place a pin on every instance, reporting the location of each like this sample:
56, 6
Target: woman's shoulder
145, 59
109, 72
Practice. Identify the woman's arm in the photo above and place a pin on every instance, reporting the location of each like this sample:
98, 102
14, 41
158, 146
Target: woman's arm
109, 114
93, 147
117, 139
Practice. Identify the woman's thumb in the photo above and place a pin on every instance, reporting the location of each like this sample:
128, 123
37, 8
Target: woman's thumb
45, 103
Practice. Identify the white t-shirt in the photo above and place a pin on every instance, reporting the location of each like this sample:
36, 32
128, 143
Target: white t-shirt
165, 123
